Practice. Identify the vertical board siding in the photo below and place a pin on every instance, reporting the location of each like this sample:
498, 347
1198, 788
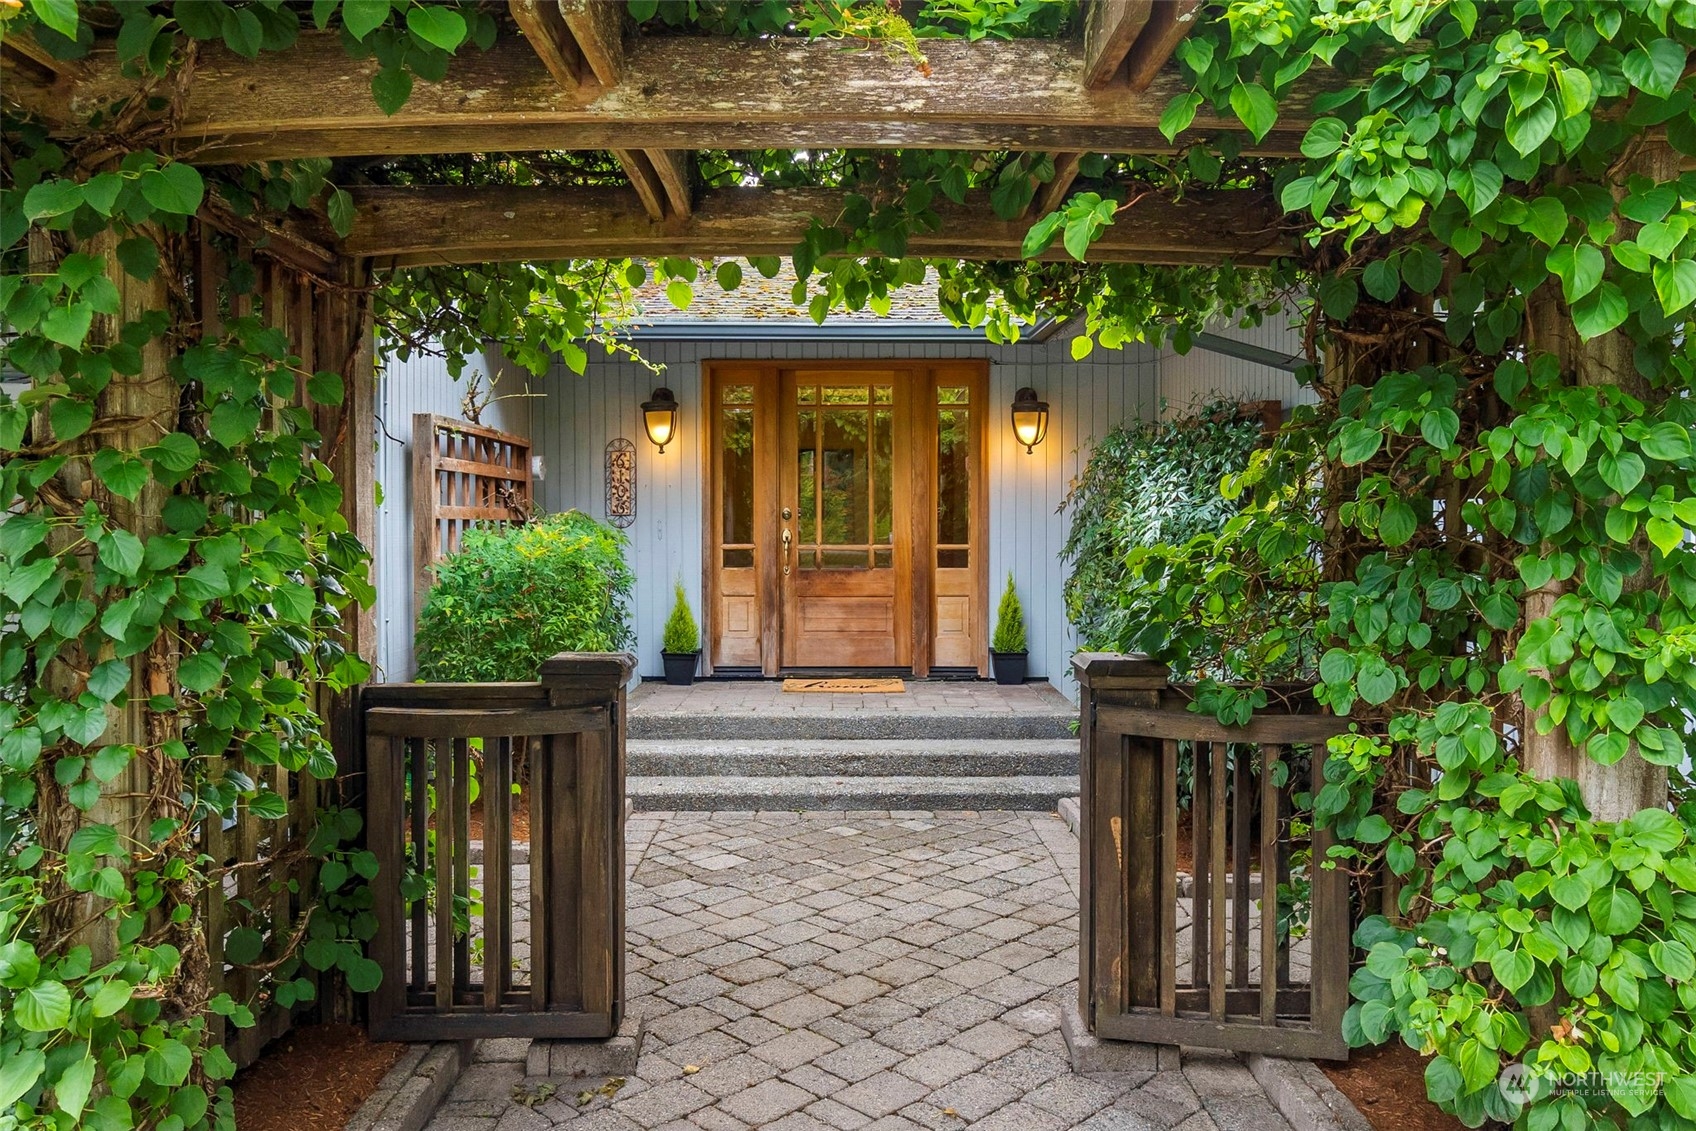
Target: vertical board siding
1189, 381
421, 384
571, 425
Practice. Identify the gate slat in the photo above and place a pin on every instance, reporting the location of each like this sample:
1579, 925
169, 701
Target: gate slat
1216, 827
1268, 885
1169, 876
447, 836
497, 873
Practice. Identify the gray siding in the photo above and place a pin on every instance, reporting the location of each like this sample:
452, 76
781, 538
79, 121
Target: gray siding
420, 384
1189, 381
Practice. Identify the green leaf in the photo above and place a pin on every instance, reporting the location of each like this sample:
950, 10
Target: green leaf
233, 422
1179, 113
1512, 968
436, 25
1324, 137
1615, 910
1579, 268
1571, 892
121, 552
1336, 666
60, 15
1499, 610
1398, 524
168, 1064
175, 188
68, 325
200, 672
1601, 311
729, 275
71, 1089
243, 945
679, 293
1255, 108
1656, 67
1546, 218
1528, 130
1621, 472
19, 1072
391, 87
108, 679
1338, 295
1477, 185
362, 17
52, 198
109, 761
1667, 442
139, 257
123, 474
175, 451
340, 208
1381, 279
363, 975
1667, 536
325, 388
42, 1007
1359, 442
1675, 284
1376, 682
1440, 428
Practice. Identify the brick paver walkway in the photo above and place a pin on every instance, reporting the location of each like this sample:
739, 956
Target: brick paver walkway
891, 971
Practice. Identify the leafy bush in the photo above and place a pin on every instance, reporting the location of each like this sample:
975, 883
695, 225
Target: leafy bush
1148, 483
511, 598
1009, 622
681, 633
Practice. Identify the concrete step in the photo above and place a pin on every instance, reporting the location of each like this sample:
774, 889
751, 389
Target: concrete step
1033, 792
848, 725
1004, 757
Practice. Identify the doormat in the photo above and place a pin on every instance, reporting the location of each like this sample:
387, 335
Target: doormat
847, 686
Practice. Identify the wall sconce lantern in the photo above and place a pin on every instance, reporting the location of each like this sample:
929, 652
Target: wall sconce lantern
659, 417
1030, 419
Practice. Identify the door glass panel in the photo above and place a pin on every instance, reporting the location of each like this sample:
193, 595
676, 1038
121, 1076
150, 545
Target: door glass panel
737, 429
844, 559
806, 457
883, 454
845, 394
953, 483
807, 394
739, 394
883, 394
845, 478
739, 559
952, 394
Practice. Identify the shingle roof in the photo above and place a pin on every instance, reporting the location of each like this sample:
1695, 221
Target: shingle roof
760, 299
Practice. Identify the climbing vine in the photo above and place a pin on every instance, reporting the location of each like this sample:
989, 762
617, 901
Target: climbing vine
1500, 472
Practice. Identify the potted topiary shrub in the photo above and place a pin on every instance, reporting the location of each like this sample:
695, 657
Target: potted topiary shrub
1008, 651
681, 646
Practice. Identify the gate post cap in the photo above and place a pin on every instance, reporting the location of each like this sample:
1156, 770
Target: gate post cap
605, 671
1119, 669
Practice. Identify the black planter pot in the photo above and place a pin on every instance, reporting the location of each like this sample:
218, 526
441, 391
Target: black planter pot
680, 667
1009, 667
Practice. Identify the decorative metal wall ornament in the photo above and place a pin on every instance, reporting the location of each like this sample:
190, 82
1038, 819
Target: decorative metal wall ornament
621, 482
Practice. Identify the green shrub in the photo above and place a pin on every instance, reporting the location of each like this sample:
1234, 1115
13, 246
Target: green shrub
1148, 483
1009, 622
681, 633
511, 598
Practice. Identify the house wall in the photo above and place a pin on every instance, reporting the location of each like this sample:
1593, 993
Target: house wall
574, 422
421, 384
571, 424
1200, 377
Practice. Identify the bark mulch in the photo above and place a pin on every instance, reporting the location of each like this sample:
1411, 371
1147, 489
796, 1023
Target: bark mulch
312, 1078
1387, 1085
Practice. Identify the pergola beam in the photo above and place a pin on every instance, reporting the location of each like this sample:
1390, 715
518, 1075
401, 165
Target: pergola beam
415, 226
582, 47
674, 92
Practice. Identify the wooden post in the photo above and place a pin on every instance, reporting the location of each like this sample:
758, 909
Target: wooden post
1111, 825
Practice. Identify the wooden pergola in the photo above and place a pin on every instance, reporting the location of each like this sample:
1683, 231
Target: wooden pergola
582, 79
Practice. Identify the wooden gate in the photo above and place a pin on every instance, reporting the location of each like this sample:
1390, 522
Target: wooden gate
1244, 945
492, 937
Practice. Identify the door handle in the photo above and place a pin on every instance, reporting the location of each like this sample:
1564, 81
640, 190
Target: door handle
787, 539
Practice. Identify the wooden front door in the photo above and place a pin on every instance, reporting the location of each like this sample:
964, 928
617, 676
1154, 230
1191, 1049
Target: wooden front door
844, 554
846, 516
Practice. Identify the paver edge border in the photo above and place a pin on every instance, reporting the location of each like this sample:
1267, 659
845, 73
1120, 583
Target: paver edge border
414, 1088
1302, 1093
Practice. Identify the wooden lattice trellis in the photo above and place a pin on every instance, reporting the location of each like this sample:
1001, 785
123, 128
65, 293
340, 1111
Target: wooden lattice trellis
462, 474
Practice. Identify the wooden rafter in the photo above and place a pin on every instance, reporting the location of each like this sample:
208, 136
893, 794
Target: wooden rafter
676, 92
1111, 27
1168, 23
1054, 193
409, 226
583, 49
